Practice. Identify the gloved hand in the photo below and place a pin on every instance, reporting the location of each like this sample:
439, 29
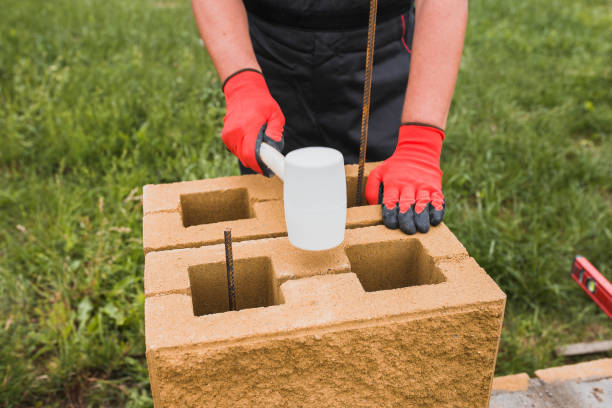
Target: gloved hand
409, 183
252, 117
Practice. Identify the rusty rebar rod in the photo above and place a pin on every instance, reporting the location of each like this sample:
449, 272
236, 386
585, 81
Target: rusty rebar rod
229, 264
367, 88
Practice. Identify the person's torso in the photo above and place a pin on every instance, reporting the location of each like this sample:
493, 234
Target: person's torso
321, 14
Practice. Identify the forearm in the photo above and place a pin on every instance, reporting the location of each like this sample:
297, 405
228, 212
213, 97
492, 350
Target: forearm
224, 29
436, 52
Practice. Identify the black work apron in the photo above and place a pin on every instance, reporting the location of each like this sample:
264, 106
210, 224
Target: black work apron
313, 63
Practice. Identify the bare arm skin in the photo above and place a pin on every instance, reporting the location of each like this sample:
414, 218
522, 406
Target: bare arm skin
436, 51
224, 29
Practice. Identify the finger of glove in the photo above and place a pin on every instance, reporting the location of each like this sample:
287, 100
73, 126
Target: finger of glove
391, 196
276, 124
436, 209
406, 221
421, 211
277, 144
374, 186
435, 216
421, 220
243, 147
389, 216
407, 198
437, 200
390, 207
423, 198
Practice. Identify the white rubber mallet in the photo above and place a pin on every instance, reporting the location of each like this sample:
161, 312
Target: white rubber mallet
314, 193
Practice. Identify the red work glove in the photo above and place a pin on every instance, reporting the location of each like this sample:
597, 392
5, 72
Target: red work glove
409, 183
252, 117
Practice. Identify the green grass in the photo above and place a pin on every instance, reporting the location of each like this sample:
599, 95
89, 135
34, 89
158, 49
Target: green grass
98, 98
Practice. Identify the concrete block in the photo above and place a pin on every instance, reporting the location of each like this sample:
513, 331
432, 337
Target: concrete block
207, 198
385, 319
590, 370
514, 382
195, 213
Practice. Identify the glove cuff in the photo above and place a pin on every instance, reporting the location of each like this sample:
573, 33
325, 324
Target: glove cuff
240, 74
409, 128
424, 125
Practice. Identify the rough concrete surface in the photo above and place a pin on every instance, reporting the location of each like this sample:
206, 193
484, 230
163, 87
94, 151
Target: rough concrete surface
562, 394
195, 213
582, 385
385, 319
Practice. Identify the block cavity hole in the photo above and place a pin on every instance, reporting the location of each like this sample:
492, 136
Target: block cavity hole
393, 265
351, 191
215, 206
254, 285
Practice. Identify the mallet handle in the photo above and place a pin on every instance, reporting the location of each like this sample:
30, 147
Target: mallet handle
273, 159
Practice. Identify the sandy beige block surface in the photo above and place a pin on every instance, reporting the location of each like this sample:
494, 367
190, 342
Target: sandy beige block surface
210, 194
584, 371
195, 213
514, 382
385, 319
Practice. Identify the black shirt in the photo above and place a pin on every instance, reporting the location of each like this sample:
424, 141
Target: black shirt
324, 14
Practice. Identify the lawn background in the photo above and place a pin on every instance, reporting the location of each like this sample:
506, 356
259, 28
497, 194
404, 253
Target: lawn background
98, 98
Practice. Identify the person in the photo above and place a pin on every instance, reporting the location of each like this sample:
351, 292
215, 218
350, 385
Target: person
293, 71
